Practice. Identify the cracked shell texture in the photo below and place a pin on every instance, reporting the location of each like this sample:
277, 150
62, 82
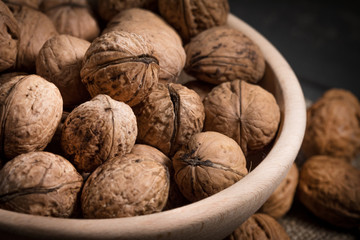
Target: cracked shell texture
60, 61
223, 54
167, 45
333, 125
169, 116
245, 112
126, 186
98, 130
30, 109
121, 65
9, 38
280, 201
191, 17
330, 189
207, 164
40, 183
259, 226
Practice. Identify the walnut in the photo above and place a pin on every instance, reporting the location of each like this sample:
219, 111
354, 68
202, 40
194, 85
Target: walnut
333, 125
200, 87
224, 54
72, 17
40, 183
165, 41
330, 189
190, 18
280, 201
126, 186
245, 112
109, 8
30, 109
35, 29
259, 226
208, 163
9, 38
98, 130
121, 65
169, 116
60, 61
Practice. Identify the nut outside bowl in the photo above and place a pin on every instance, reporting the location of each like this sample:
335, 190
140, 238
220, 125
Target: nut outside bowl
214, 217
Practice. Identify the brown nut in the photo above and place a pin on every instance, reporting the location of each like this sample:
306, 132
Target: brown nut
98, 130
165, 41
30, 110
35, 29
245, 112
126, 186
259, 226
121, 65
333, 126
59, 61
223, 54
9, 38
330, 188
190, 18
208, 163
169, 116
40, 183
280, 201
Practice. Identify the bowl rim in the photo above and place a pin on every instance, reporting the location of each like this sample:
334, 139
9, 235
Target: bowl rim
211, 218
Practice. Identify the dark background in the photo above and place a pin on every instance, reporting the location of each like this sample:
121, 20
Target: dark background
319, 39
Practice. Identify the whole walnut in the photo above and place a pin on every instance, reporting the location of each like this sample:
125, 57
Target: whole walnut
280, 201
200, 87
245, 112
9, 38
330, 188
98, 130
169, 116
109, 8
333, 125
121, 65
126, 186
166, 43
59, 61
208, 163
72, 17
30, 110
223, 54
35, 29
40, 183
260, 227
191, 17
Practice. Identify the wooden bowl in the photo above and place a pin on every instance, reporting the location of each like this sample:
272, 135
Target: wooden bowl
214, 217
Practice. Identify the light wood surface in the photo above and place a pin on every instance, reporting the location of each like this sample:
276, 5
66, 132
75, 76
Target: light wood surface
214, 217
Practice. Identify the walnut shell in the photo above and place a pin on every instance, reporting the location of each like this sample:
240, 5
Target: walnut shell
333, 125
9, 38
40, 183
126, 186
98, 130
190, 18
165, 41
35, 29
30, 110
280, 201
208, 163
60, 61
121, 65
330, 189
260, 227
34, 4
245, 112
222, 54
169, 116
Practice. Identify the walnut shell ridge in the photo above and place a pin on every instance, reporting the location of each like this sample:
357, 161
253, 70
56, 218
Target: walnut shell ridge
98, 130
40, 183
